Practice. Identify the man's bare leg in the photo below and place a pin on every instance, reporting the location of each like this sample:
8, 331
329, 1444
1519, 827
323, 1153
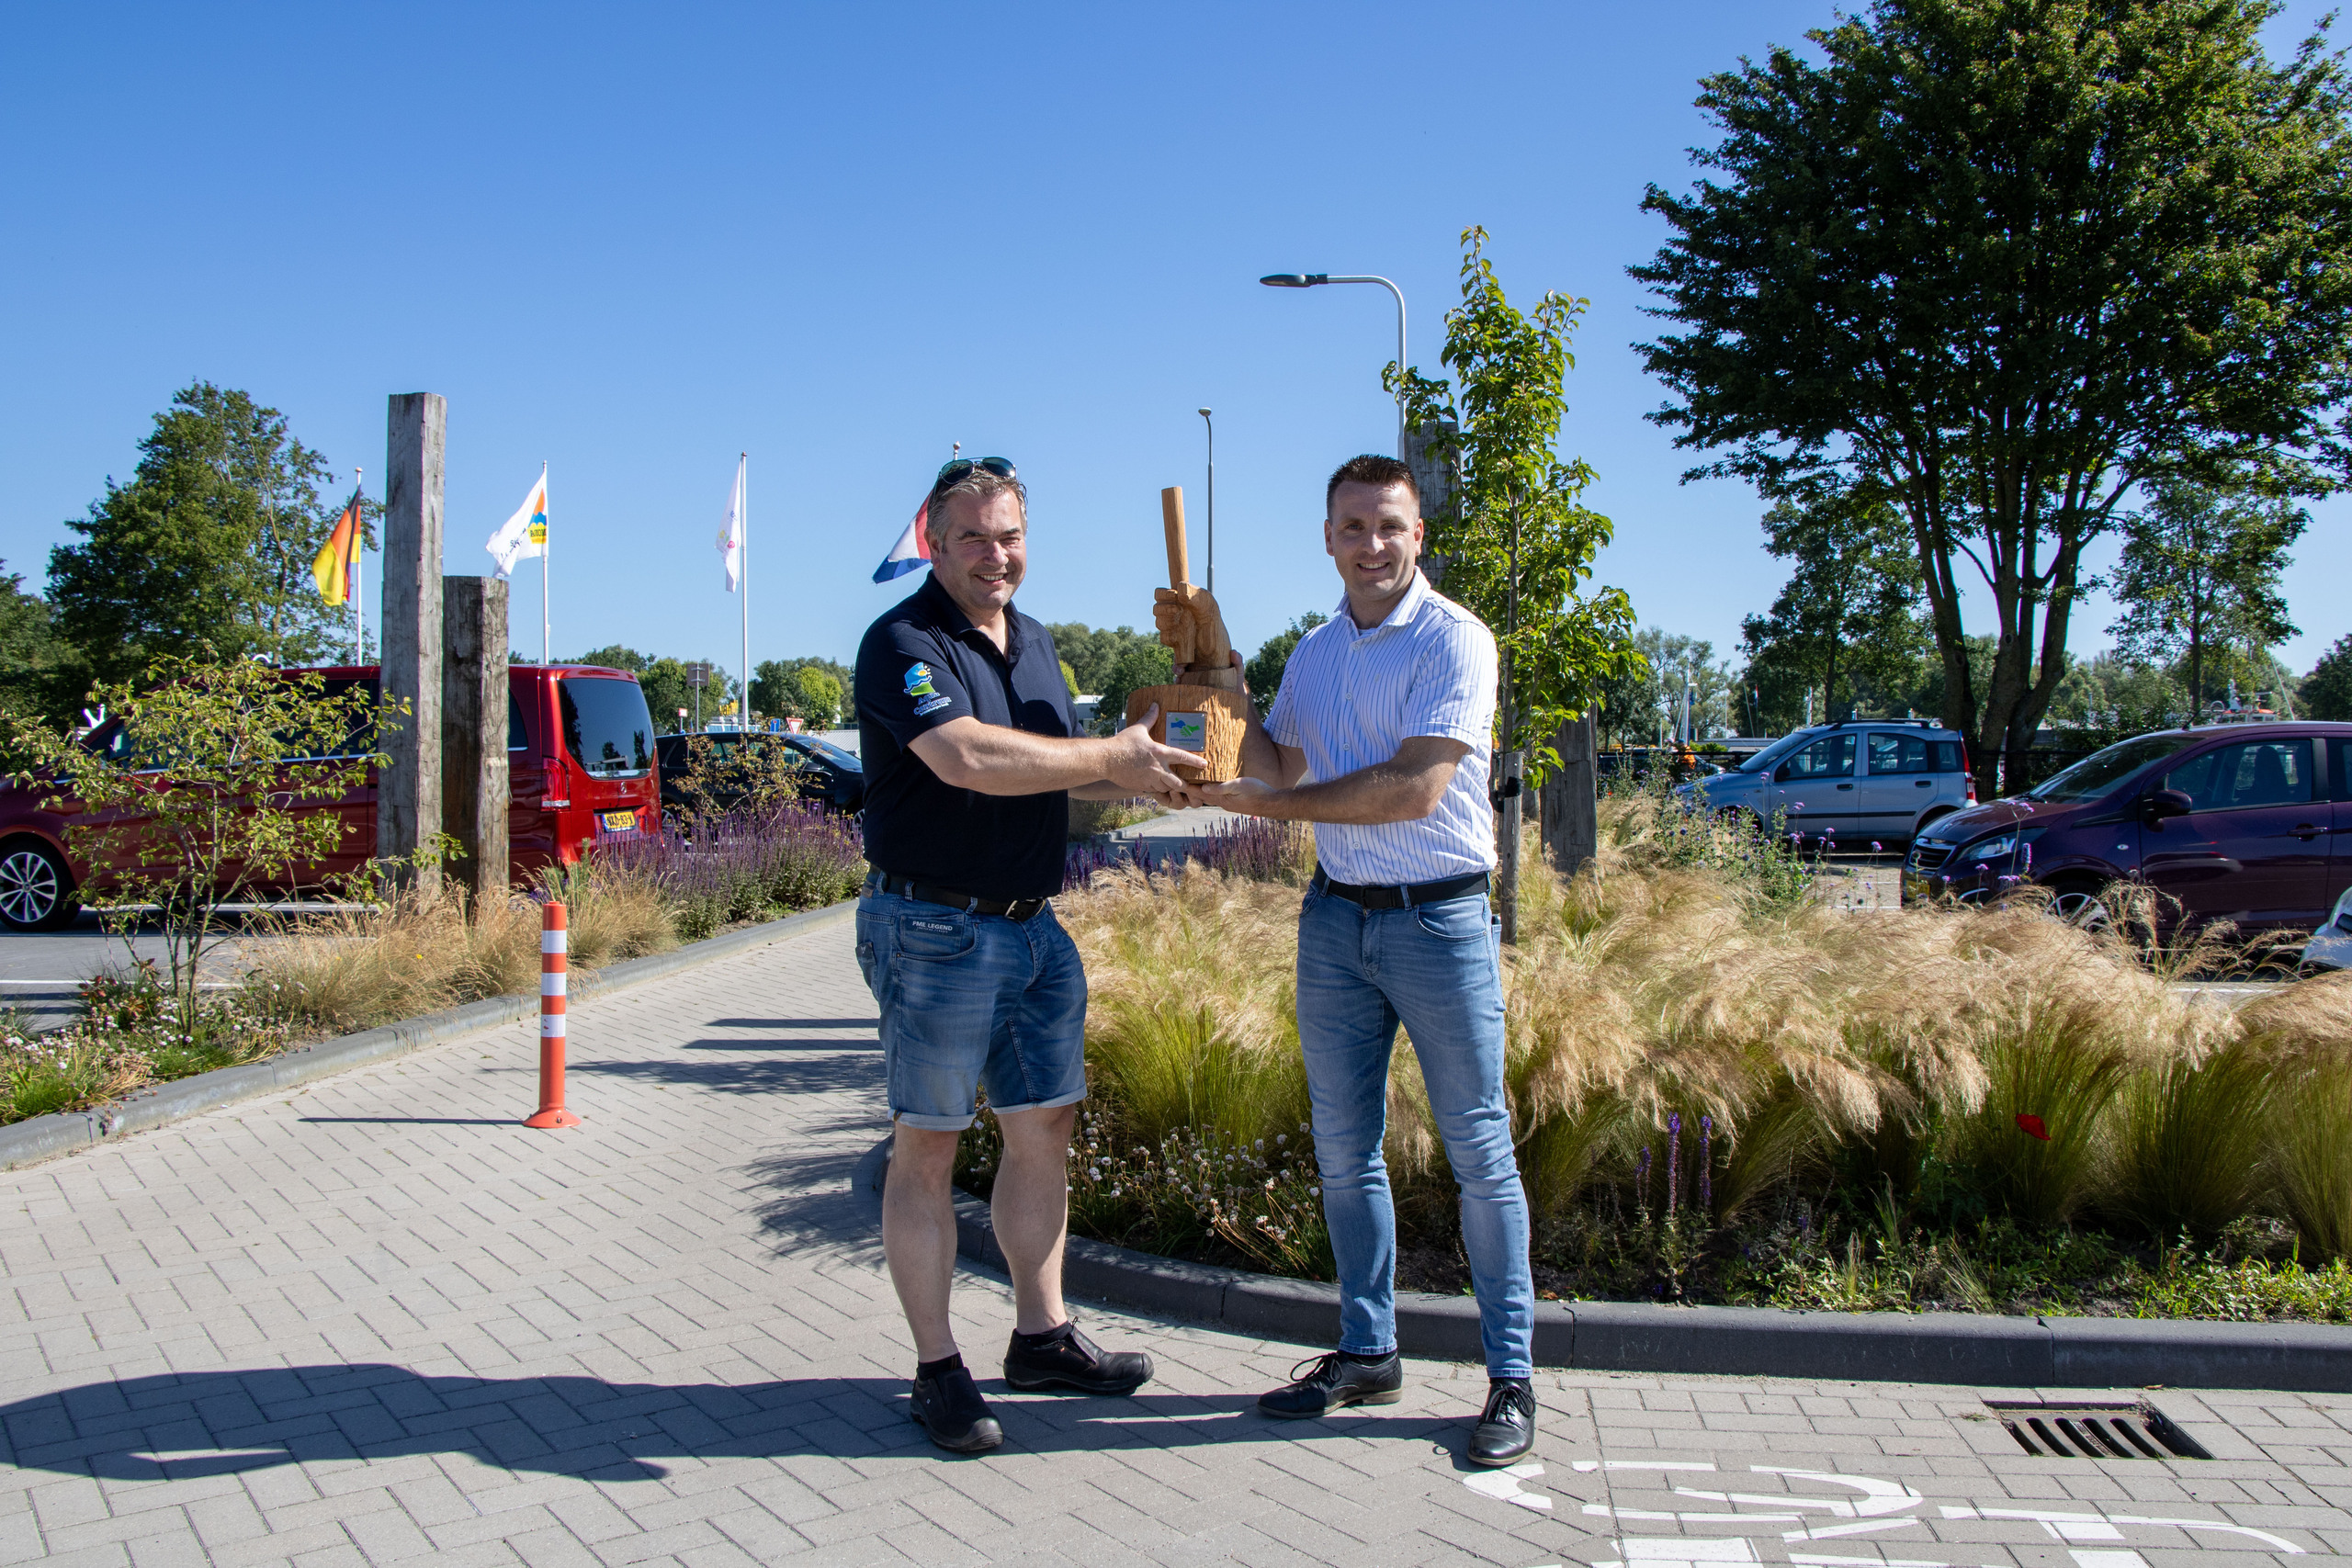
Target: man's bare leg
1030, 1209
919, 1234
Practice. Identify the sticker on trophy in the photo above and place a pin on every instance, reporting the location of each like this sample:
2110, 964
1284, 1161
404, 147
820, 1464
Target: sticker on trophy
1189, 731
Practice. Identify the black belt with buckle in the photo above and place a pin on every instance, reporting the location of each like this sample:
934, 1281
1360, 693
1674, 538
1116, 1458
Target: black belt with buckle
1404, 898
923, 892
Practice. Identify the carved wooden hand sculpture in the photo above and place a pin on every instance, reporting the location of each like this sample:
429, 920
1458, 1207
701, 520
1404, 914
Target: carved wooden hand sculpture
1204, 695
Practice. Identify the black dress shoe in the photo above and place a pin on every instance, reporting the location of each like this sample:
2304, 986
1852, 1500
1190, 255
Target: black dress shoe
1507, 1428
1333, 1382
950, 1408
1073, 1361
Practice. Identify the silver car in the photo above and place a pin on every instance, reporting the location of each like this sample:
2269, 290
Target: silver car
1855, 784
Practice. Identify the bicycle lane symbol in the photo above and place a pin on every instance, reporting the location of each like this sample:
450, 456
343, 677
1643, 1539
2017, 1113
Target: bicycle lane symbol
1868, 1506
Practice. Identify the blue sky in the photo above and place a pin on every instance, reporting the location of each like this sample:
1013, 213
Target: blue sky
633, 242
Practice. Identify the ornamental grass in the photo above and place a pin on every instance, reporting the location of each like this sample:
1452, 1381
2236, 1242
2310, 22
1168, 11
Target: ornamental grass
1722, 1088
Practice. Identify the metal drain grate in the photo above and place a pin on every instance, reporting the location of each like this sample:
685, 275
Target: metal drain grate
2095, 1431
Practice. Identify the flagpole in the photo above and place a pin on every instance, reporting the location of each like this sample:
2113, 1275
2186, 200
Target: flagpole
358, 557
546, 655
743, 575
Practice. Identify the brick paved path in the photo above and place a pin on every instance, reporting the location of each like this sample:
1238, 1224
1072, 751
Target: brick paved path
379, 1321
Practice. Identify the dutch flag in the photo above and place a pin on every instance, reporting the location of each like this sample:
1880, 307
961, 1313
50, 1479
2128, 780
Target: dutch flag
912, 553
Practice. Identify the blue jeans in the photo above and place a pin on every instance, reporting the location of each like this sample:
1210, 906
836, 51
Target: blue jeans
972, 1002
1438, 969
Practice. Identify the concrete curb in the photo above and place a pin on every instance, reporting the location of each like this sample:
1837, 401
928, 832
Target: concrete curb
1929, 1347
46, 1137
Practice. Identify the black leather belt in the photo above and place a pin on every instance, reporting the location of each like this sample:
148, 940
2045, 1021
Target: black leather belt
908, 887
1404, 898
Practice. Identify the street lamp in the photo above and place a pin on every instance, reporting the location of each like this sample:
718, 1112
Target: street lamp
1211, 423
1313, 279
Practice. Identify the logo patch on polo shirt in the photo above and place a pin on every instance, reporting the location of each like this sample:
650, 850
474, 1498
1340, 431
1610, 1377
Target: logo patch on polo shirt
918, 685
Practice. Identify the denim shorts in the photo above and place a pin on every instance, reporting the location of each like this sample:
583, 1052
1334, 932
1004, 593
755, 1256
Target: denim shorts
972, 1002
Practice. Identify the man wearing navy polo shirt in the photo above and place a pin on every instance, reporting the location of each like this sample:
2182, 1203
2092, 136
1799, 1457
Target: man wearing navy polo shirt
971, 756
1381, 736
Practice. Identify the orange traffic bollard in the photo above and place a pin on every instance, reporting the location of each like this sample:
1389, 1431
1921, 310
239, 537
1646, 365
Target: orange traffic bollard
555, 966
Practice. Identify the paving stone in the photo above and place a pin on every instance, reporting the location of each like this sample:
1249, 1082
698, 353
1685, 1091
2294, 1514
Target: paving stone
375, 1321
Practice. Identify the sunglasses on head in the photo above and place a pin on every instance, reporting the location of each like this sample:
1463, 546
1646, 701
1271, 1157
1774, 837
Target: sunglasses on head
949, 472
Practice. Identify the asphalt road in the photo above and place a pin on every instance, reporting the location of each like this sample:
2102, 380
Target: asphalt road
41, 972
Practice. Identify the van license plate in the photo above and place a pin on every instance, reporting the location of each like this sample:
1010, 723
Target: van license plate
618, 821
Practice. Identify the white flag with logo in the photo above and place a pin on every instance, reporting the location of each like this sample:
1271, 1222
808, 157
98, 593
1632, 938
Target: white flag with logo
525, 534
730, 533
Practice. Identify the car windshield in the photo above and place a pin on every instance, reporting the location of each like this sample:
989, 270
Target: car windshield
829, 752
2102, 771
606, 725
1764, 760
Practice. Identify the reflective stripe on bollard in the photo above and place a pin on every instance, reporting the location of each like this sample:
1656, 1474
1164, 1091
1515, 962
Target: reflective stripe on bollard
555, 972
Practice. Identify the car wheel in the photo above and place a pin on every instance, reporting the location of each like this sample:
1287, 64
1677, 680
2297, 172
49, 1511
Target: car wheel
36, 887
2079, 904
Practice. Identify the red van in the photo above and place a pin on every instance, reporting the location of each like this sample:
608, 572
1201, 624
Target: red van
579, 754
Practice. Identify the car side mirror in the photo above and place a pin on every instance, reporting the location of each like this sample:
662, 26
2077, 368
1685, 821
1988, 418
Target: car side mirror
1780, 773
2165, 803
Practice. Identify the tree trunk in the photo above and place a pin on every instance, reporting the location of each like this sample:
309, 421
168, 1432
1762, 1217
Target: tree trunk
1507, 843
1567, 805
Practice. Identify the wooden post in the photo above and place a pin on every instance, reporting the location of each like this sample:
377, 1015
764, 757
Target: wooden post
475, 788
408, 792
1571, 823
1434, 476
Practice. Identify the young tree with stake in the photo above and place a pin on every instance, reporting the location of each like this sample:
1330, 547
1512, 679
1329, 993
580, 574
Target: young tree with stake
1516, 541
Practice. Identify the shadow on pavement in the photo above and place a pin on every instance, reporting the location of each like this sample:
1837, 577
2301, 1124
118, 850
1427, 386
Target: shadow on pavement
795, 1024
867, 1044
812, 1075
182, 1425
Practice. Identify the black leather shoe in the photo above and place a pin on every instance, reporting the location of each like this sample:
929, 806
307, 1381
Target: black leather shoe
1507, 1428
950, 1408
1333, 1382
1075, 1362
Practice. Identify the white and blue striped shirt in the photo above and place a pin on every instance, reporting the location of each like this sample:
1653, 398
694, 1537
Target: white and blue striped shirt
1350, 698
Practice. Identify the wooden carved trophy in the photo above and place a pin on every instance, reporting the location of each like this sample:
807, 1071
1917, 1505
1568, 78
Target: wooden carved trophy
1203, 711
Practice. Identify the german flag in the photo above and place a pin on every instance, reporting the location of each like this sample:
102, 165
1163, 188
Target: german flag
333, 566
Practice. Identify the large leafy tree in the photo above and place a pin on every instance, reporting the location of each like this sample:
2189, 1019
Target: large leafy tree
1848, 612
208, 544
1517, 540
2008, 259
2200, 568
1264, 670
2327, 691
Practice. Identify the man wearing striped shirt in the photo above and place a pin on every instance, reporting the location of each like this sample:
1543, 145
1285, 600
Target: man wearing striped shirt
1381, 736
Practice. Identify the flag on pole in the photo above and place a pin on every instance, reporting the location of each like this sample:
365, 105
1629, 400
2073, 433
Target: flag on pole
730, 533
912, 553
525, 534
332, 570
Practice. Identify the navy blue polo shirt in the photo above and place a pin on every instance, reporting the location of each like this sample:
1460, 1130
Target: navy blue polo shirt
925, 663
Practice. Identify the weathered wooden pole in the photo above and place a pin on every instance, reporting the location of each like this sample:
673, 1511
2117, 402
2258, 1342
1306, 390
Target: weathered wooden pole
1570, 799
408, 791
474, 782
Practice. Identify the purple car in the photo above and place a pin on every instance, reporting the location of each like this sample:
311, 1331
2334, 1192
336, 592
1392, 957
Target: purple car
2243, 822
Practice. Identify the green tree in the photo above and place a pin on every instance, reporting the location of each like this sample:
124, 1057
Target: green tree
209, 545
614, 657
1092, 653
32, 659
1518, 542
781, 689
2200, 567
1141, 663
2009, 259
2326, 692
1264, 672
1850, 608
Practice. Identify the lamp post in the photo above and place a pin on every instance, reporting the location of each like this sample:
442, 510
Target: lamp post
1313, 279
1211, 424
